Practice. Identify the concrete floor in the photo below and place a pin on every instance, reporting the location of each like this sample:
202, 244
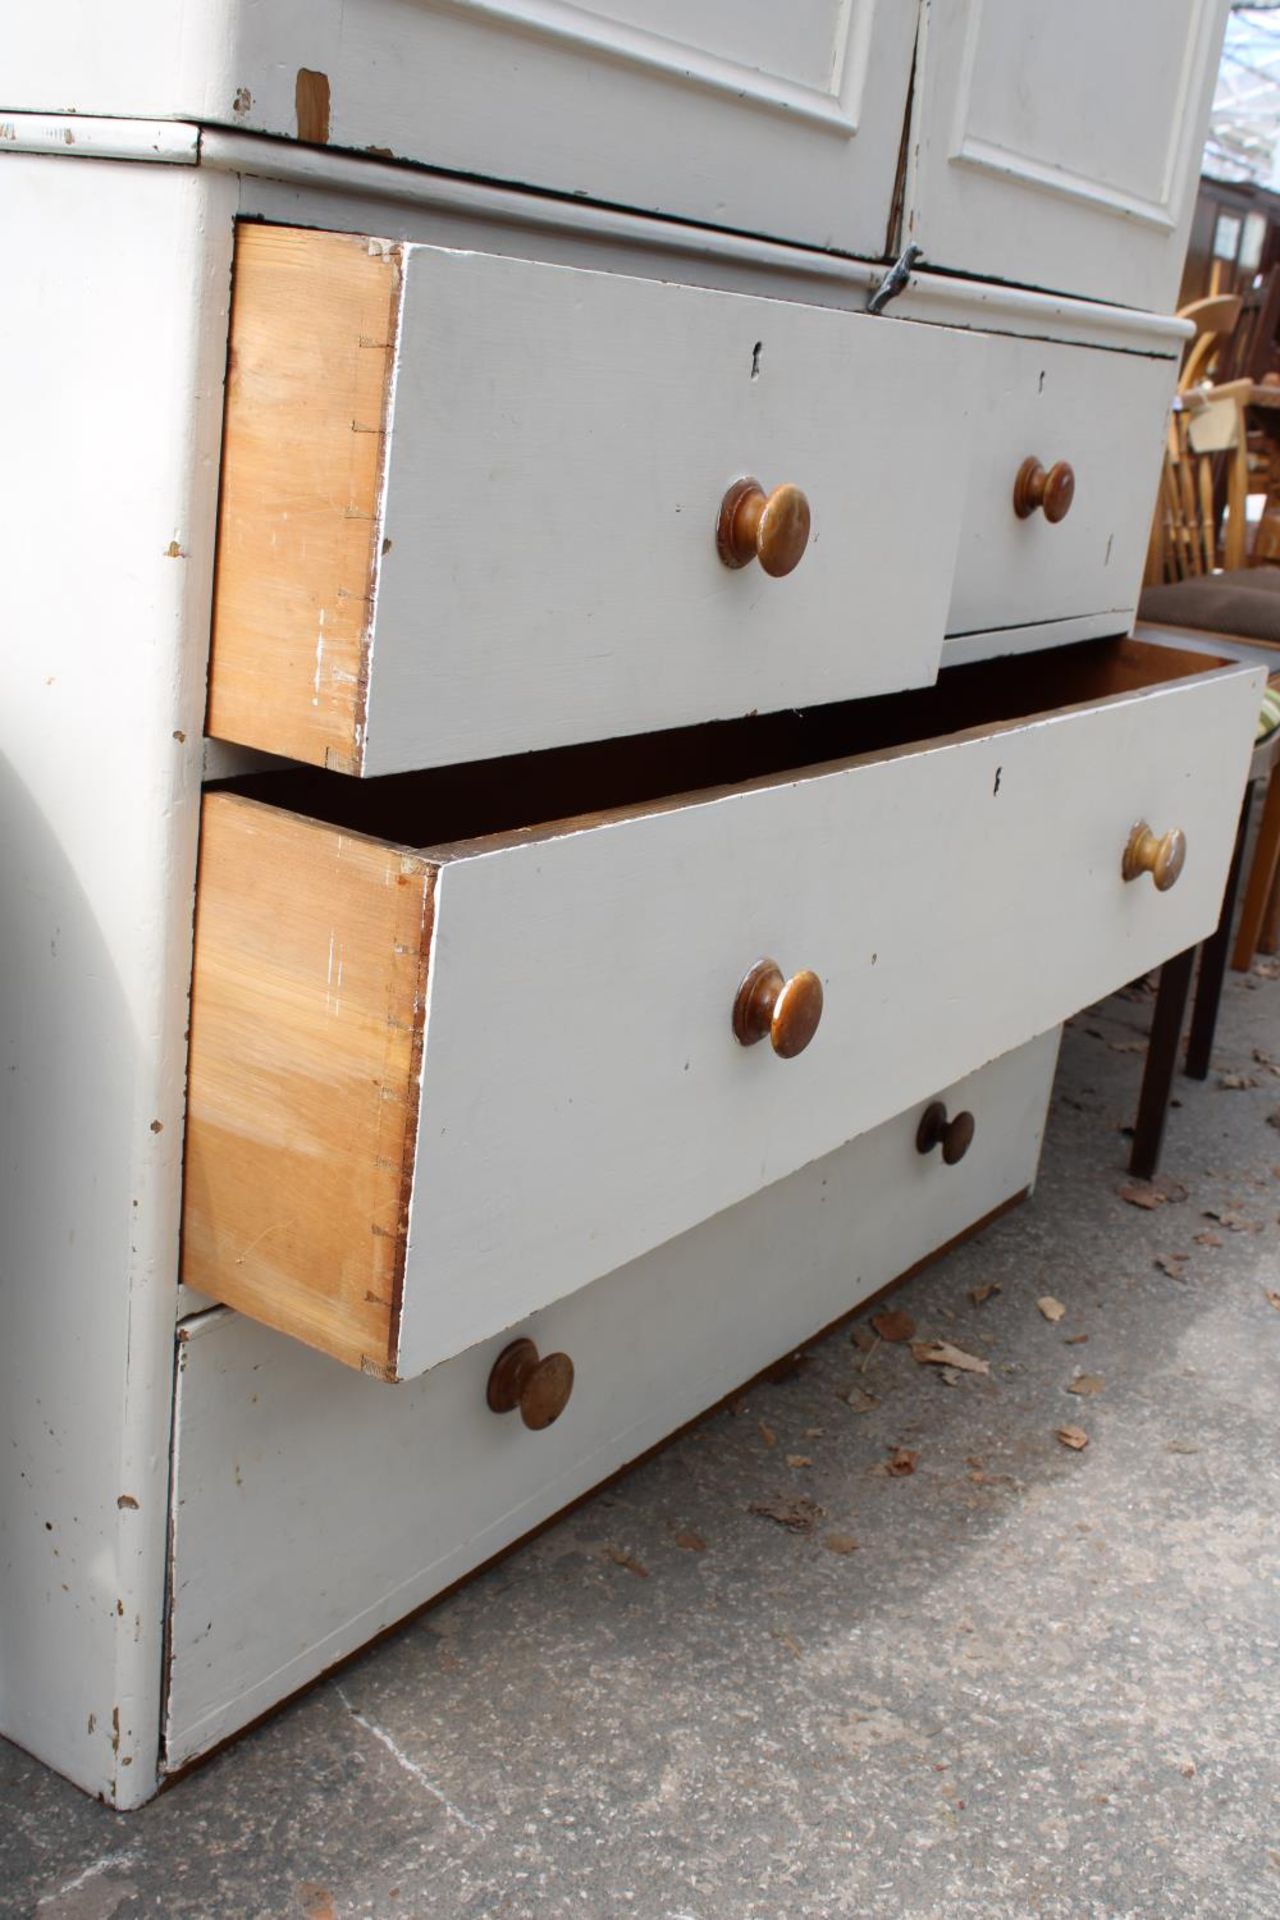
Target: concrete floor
1043, 1682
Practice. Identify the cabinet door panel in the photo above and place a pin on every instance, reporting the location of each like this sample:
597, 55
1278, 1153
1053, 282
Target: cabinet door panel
1059, 146
783, 120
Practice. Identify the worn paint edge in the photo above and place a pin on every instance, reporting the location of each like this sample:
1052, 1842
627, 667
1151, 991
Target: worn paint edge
174, 143
430, 878
395, 253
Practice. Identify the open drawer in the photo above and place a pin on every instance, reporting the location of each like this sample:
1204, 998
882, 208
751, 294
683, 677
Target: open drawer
471, 504
463, 1041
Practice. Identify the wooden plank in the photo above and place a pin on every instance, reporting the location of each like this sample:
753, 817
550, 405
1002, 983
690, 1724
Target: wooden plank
306, 1024
314, 325
296, 1478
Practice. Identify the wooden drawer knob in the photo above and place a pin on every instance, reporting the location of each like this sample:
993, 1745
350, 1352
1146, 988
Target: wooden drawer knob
1053, 491
771, 528
955, 1137
540, 1389
786, 1012
1162, 856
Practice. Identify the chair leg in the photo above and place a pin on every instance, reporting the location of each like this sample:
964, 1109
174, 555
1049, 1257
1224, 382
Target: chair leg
1213, 957
1162, 1058
1261, 874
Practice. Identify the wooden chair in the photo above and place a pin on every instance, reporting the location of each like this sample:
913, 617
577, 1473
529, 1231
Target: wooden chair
1247, 349
1206, 430
1215, 321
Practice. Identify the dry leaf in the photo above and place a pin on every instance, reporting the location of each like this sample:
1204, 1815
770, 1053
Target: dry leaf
1172, 1263
901, 1461
1207, 1239
690, 1542
1127, 1046
1152, 1193
984, 1292
1274, 1298
1237, 1082
799, 1460
1085, 1383
621, 1558
860, 1400
1074, 1437
863, 1338
1233, 1221
950, 1376
1077, 1340
1267, 969
840, 1543
893, 1324
768, 1435
1051, 1309
1181, 1446
798, 1515
940, 1353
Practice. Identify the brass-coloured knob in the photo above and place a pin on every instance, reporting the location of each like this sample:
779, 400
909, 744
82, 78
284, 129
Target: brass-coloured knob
771, 528
786, 1012
538, 1389
1163, 856
955, 1137
1053, 490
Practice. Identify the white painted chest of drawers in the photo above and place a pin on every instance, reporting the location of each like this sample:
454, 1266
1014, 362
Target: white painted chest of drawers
378, 377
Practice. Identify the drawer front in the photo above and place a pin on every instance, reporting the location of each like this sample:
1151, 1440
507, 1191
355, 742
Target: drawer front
469, 504
1103, 415
311, 1511
433, 1093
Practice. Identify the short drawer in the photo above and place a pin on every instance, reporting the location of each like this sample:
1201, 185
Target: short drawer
310, 1511
437, 1082
470, 504
1020, 578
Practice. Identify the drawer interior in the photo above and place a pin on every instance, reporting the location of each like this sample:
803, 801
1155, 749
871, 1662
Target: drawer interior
528, 792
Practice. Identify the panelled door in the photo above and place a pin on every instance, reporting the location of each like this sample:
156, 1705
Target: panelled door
1059, 141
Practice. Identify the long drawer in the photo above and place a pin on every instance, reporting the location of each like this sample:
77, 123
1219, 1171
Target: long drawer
1093, 423
310, 1513
472, 505
438, 1082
